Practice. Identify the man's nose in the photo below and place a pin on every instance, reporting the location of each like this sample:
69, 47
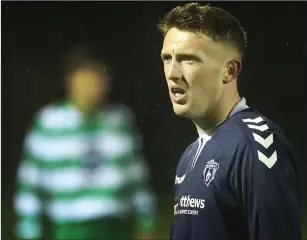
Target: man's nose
175, 71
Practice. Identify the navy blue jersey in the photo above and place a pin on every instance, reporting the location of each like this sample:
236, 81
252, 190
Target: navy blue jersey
240, 183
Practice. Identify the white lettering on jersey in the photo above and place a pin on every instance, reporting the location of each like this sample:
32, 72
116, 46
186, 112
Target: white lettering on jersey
269, 161
186, 203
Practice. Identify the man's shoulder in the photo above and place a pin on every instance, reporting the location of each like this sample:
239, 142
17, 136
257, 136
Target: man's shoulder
56, 115
255, 134
118, 113
246, 125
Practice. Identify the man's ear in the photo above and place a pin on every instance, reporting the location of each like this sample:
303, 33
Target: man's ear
232, 70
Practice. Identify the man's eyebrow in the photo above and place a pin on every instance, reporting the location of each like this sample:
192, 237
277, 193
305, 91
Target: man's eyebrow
188, 56
182, 56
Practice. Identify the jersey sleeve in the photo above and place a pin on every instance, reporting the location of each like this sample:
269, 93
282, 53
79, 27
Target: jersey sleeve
266, 184
27, 200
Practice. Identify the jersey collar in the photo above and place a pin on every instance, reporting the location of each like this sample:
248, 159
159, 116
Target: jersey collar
240, 106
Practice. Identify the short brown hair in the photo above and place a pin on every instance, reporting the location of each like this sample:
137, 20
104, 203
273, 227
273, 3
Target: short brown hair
81, 56
216, 23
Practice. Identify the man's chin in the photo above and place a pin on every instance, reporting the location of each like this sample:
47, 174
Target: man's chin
181, 110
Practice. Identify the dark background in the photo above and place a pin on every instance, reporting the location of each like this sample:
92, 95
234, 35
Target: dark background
36, 34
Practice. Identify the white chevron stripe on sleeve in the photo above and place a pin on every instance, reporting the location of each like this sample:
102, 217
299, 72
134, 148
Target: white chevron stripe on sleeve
255, 120
264, 142
268, 161
261, 128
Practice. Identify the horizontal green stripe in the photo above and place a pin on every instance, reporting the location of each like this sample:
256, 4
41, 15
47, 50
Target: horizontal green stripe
30, 218
53, 133
88, 192
66, 195
26, 188
71, 163
58, 163
101, 193
66, 132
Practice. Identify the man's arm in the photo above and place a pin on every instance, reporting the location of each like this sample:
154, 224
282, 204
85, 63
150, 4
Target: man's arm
266, 182
27, 200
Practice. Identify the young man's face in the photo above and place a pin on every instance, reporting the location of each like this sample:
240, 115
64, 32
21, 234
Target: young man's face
87, 88
194, 67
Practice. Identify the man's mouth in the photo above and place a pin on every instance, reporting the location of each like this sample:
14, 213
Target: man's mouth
178, 95
177, 91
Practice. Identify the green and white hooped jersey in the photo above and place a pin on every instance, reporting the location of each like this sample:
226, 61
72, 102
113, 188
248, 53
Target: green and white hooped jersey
76, 168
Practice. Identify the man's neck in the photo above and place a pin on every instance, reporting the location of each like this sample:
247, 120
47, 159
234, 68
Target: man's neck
85, 109
217, 114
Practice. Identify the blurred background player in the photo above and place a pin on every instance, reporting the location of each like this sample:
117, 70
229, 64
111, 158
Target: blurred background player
82, 169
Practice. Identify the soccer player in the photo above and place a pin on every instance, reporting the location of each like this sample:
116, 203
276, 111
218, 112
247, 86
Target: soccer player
82, 165
239, 179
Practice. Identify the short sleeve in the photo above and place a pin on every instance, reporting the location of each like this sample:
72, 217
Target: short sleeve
266, 184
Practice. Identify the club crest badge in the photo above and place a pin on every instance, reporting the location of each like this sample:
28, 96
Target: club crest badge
209, 171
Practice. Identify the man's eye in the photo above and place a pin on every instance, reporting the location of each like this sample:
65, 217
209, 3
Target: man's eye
167, 59
190, 61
